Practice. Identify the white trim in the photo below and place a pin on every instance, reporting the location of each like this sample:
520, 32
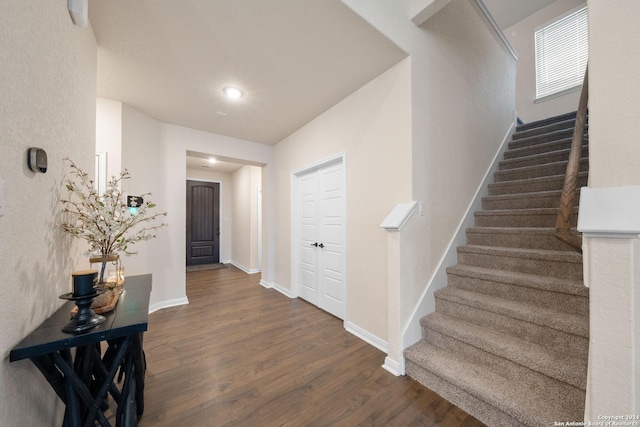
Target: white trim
243, 268
284, 291
168, 303
612, 212
366, 336
412, 331
396, 368
399, 215
497, 29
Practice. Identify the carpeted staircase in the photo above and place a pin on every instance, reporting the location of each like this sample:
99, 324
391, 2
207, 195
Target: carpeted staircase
508, 341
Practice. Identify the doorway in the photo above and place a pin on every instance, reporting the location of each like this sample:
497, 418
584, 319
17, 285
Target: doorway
319, 259
203, 222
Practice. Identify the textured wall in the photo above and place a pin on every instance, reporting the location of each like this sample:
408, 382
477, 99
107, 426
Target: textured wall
47, 99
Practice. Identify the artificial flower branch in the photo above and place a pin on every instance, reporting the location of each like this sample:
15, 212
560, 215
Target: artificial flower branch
104, 220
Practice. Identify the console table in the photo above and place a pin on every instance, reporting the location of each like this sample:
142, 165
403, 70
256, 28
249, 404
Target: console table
83, 379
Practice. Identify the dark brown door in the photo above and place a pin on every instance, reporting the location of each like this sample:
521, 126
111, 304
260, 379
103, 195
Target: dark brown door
203, 222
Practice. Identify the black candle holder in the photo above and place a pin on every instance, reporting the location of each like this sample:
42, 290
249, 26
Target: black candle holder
83, 294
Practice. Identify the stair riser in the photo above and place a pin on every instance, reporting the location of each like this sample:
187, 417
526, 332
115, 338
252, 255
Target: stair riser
518, 219
565, 303
561, 269
562, 342
532, 201
536, 376
540, 171
567, 124
539, 159
541, 148
485, 412
553, 184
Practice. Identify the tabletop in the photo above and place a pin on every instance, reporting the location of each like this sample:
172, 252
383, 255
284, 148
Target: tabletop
129, 316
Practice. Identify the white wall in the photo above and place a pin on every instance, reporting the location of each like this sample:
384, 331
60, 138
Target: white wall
246, 183
521, 37
47, 99
226, 207
612, 254
373, 127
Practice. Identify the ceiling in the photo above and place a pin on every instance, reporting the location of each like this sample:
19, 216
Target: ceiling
508, 12
293, 59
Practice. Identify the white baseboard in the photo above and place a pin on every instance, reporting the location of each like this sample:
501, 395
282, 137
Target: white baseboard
169, 303
284, 291
396, 368
245, 269
366, 336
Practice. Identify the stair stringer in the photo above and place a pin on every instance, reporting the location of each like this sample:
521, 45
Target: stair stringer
412, 331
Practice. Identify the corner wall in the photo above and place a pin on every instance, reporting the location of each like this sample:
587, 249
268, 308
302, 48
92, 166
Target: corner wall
47, 100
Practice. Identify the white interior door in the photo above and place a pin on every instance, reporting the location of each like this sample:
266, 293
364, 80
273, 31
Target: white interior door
331, 239
321, 253
308, 242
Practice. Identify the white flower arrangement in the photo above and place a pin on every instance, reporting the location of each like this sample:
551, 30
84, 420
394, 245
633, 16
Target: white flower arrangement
104, 220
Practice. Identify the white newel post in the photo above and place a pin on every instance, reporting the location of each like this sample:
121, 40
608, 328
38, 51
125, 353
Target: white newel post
610, 223
394, 223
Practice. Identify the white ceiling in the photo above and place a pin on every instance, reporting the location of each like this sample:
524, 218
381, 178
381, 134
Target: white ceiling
294, 59
508, 12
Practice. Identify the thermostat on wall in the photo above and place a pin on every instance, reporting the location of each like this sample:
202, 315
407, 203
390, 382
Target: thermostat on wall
37, 159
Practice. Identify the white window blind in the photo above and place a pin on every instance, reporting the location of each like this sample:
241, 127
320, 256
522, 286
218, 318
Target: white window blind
562, 52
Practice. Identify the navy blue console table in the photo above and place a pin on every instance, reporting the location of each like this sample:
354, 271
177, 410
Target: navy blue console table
84, 378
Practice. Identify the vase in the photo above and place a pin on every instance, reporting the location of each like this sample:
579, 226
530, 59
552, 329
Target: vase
103, 260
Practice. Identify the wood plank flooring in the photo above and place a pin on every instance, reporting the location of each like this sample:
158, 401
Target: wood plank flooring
243, 355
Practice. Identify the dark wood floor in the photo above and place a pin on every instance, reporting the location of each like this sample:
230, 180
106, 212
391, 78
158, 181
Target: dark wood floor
243, 355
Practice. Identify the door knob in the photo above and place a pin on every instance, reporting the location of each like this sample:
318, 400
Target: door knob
321, 245
315, 244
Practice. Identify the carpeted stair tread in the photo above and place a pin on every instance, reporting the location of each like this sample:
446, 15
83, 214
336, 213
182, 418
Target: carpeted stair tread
532, 217
516, 237
561, 264
537, 171
553, 284
565, 322
568, 295
526, 405
536, 199
540, 130
537, 159
546, 121
560, 142
528, 185
566, 367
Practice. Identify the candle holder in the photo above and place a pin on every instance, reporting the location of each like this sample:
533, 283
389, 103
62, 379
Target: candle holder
83, 294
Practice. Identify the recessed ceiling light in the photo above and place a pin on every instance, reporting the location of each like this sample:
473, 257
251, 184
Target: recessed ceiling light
212, 160
233, 92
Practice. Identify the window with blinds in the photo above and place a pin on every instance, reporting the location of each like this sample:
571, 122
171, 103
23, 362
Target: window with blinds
562, 52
